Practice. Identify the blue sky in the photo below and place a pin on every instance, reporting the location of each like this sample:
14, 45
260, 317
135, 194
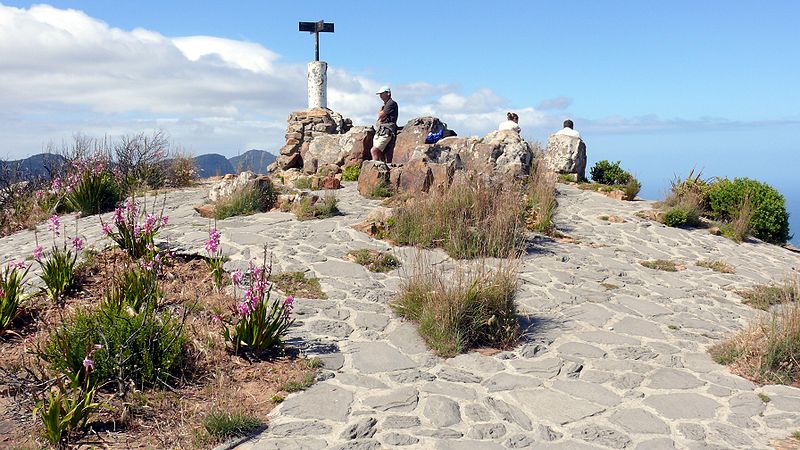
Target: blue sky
661, 86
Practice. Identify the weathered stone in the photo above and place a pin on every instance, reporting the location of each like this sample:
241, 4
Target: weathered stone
657, 444
206, 210
415, 177
477, 413
467, 445
400, 400
406, 338
508, 382
375, 357
359, 445
322, 401
372, 321
412, 136
639, 421
230, 184
452, 390
441, 411
393, 422
399, 439
683, 406
338, 149
441, 433
540, 402
692, 431
545, 367
603, 436
732, 435
666, 378
581, 350
520, 441
588, 391
411, 376
304, 428
486, 431
373, 174
333, 328
566, 154
509, 413
546, 434
364, 428
458, 376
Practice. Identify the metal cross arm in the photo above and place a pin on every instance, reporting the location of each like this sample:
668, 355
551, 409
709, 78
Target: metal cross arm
316, 28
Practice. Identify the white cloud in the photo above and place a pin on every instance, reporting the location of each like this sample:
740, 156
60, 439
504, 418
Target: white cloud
63, 72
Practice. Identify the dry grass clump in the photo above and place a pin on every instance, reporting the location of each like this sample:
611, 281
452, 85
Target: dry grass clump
468, 308
313, 207
768, 351
181, 170
740, 226
541, 198
374, 260
296, 284
716, 266
661, 264
470, 219
764, 296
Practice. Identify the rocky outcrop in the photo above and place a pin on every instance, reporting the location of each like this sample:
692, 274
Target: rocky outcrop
499, 153
373, 174
566, 155
338, 149
412, 137
302, 128
232, 183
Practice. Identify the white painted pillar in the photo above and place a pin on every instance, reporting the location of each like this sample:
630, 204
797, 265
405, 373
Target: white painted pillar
317, 84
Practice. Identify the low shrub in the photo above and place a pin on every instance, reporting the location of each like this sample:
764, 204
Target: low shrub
260, 322
631, 189
181, 171
374, 260
144, 348
692, 190
541, 199
225, 425
58, 266
763, 296
12, 281
134, 288
91, 186
381, 190
469, 219
311, 207
661, 264
681, 215
298, 285
716, 266
468, 309
303, 183
140, 160
247, 200
604, 172
351, 172
769, 221
768, 351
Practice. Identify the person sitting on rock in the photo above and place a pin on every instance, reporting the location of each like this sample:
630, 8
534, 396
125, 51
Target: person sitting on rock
511, 122
386, 127
568, 131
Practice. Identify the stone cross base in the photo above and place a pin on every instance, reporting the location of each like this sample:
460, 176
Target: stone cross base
317, 84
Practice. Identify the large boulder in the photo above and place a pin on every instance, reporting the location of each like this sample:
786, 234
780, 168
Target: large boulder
373, 173
499, 153
413, 136
230, 184
338, 149
566, 155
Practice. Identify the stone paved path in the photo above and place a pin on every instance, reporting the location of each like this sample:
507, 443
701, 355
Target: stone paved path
600, 367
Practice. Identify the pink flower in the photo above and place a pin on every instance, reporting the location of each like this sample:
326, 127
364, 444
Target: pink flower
2, 293
288, 304
77, 243
149, 223
106, 228
88, 363
216, 318
130, 207
37, 253
244, 308
18, 265
212, 244
54, 224
39, 195
236, 277
118, 218
56, 186
164, 221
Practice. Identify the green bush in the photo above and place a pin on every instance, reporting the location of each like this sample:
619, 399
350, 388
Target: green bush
351, 173
631, 188
248, 200
605, 172
134, 288
144, 348
681, 215
303, 183
11, 294
769, 222
58, 272
224, 425
93, 193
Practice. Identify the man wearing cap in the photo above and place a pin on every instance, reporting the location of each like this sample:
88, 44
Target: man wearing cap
386, 127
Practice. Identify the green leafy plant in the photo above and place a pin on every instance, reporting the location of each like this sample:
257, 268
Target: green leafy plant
317, 208
661, 264
631, 188
678, 216
608, 173
134, 289
298, 285
136, 237
259, 322
224, 425
351, 172
381, 190
58, 267
769, 221
303, 183
464, 310
91, 185
716, 266
11, 293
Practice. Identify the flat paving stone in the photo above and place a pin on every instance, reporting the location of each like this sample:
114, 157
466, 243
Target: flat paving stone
322, 401
639, 421
540, 403
376, 357
441, 411
683, 406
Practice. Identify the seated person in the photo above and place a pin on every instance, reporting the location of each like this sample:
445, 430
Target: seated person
511, 123
568, 131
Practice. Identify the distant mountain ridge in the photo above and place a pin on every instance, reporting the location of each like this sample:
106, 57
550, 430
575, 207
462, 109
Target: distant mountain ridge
208, 165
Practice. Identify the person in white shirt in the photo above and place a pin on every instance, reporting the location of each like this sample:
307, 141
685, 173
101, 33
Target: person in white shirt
511, 123
568, 131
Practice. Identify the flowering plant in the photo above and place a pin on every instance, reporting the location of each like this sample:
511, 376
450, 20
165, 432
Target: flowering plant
58, 267
90, 186
260, 322
11, 292
215, 258
136, 229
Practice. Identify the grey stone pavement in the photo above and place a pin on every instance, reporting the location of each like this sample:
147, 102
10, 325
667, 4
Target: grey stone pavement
598, 367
